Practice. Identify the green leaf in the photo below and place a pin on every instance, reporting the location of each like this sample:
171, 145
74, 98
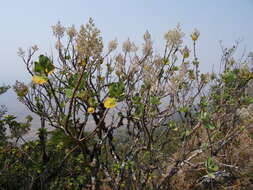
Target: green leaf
82, 94
92, 101
184, 109
38, 68
175, 68
210, 126
136, 99
72, 81
69, 93
247, 100
205, 117
155, 100
211, 165
43, 66
116, 90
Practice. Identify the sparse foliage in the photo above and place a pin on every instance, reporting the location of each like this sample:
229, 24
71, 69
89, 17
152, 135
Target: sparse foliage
135, 119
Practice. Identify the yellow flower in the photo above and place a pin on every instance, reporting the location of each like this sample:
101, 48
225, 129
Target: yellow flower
91, 110
195, 35
110, 102
39, 80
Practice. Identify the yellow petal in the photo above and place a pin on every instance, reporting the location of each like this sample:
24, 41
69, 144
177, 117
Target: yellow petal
110, 102
194, 37
39, 80
91, 110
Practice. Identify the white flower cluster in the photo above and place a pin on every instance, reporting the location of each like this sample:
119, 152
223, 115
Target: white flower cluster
134, 67
112, 45
147, 46
174, 37
89, 41
58, 30
120, 68
129, 46
71, 31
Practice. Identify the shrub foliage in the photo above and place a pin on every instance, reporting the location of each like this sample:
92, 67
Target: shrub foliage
130, 118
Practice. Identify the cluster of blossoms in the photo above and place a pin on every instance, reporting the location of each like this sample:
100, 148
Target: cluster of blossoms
112, 45
134, 67
129, 46
58, 30
89, 42
71, 31
147, 46
120, 68
174, 37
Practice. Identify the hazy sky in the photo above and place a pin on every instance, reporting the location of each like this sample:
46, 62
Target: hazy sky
28, 22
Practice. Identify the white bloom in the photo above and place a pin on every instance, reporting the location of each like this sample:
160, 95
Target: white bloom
134, 64
158, 62
174, 37
89, 42
71, 31
147, 48
148, 45
58, 30
112, 45
120, 59
127, 46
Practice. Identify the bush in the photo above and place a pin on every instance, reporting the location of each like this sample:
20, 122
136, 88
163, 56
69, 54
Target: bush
135, 119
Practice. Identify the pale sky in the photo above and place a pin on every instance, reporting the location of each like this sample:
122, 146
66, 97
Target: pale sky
28, 22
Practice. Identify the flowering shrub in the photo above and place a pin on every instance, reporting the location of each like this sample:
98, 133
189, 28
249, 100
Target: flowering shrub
136, 119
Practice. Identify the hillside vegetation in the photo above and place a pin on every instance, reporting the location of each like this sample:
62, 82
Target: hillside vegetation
158, 122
